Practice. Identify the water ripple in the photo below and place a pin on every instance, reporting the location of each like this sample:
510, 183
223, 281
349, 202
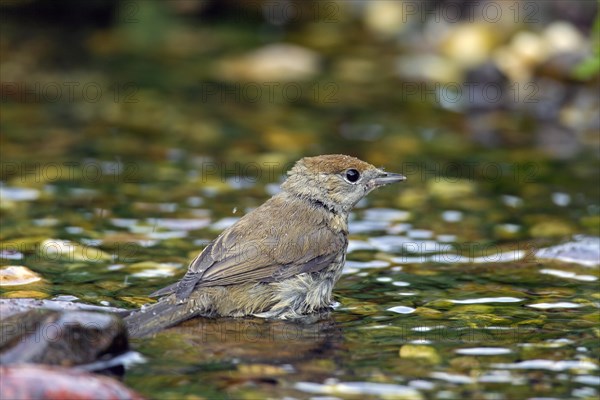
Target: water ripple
483, 300
584, 250
452, 378
401, 309
560, 304
483, 351
563, 365
569, 275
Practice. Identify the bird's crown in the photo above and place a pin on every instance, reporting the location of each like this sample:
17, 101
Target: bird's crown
330, 164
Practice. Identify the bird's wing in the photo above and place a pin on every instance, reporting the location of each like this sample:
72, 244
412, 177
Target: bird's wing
260, 251
194, 273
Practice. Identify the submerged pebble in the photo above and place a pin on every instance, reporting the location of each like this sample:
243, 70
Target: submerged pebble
385, 390
426, 353
14, 275
66, 250
151, 269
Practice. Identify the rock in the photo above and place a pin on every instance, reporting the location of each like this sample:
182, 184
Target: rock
65, 338
65, 250
386, 18
529, 47
429, 313
469, 44
55, 383
425, 353
272, 63
14, 275
561, 36
20, 294
427, 67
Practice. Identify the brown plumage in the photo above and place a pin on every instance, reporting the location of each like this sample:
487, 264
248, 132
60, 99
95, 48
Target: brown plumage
282, 259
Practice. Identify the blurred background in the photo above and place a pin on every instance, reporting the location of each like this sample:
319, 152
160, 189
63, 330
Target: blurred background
390, 81
161, 101
141, 128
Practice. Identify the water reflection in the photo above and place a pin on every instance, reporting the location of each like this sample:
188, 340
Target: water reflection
244, 340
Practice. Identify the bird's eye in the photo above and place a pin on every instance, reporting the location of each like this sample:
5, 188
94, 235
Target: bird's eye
352, 175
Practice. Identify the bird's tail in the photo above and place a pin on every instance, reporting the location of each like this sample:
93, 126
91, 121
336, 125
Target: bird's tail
154, 317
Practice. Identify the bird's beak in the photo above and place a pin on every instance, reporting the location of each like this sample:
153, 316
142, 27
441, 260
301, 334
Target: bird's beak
388, 177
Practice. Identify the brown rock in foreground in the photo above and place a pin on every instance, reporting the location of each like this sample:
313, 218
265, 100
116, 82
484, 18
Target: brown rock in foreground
56, 383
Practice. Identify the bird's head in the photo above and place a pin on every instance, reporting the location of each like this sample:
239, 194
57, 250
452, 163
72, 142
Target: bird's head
336, 180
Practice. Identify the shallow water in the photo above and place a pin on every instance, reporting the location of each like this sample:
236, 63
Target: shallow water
445, 294
420, 312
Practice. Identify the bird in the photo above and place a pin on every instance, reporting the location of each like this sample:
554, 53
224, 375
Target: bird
280, 260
